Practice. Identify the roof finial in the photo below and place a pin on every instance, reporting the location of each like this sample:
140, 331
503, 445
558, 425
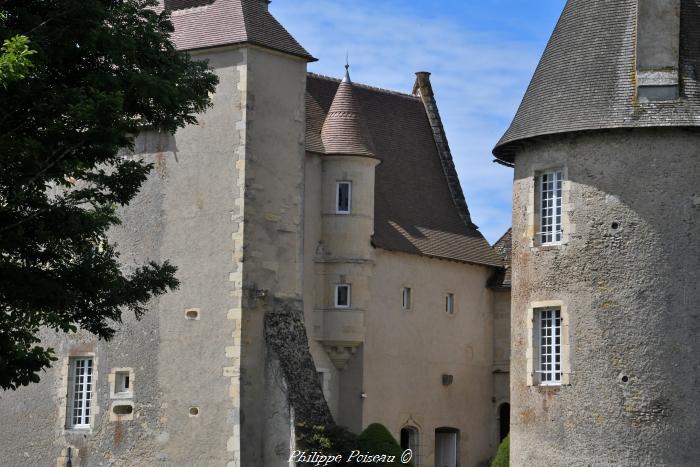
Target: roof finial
347, 68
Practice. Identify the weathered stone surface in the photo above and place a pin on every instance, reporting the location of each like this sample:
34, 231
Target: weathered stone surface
629, 274
285, 335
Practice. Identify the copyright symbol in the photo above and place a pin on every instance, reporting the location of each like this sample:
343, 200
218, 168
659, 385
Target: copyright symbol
406, 456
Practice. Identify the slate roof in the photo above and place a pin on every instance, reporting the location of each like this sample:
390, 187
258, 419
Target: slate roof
414, 209
345, 130
504, 247
211, 23
586, 77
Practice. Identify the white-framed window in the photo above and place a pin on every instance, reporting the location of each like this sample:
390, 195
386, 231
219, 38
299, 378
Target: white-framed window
550, 207
549, 345
342, 295
406, 298
343, 197
80, 387
450, 303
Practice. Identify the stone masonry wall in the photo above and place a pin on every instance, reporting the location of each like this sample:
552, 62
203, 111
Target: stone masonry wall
628, 274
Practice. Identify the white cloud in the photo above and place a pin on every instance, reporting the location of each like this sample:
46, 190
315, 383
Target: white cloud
478, 77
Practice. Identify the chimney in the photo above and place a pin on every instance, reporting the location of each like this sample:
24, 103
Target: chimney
266, 4
658, 43
422, 87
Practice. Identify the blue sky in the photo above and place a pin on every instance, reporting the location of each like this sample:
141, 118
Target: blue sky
481, 55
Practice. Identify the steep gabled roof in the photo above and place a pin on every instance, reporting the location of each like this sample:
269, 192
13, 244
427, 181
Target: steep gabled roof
211, 23
414, 208
504, 247
345, 129
586, 77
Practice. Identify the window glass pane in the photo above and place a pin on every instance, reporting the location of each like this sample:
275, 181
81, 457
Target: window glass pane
551, 207
343, 197
406, 298
449, 303
342, 296
80, 392
549, 329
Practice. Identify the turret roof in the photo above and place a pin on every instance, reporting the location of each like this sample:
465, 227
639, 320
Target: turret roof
414, 210
345, 129
212, 23
586, 77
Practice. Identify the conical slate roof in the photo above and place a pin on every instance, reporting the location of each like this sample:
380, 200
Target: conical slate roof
212, 23
586, 77
345, 130
414, 207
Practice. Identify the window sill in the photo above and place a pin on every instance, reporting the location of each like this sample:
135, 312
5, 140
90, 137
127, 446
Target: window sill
78, 430
548, 247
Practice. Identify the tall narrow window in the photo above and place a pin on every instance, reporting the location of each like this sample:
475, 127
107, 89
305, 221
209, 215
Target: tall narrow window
80, 392
410, 440
343, 199
406, 297
549, 345
550, 207
342, 296
450, 304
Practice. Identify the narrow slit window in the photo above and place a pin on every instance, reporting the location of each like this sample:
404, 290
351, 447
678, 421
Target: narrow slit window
549, 346
343, 202
450, 304
550, 208
80, 392
342, 296
407, 298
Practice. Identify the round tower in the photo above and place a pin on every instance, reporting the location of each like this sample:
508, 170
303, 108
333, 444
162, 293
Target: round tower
605, 366
348, 169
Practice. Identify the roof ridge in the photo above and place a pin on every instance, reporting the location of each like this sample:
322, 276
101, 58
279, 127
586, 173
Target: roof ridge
424, 89
508, 231
363, 86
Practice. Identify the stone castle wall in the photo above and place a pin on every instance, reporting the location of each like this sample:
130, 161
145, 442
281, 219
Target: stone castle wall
627, 274
212, 373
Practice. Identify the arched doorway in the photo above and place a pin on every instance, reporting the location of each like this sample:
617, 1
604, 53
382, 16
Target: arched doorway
503, 421
410, 440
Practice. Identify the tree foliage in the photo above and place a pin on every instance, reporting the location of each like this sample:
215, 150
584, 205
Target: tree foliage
376, 439
502, 458
103, 71
14, 59
333, 440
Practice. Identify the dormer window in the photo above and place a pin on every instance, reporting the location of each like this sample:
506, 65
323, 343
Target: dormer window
343, 198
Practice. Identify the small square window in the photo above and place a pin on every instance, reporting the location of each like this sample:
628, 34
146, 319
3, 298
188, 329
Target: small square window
450, 304
121, 382
406, 298
342, 296
343, 201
